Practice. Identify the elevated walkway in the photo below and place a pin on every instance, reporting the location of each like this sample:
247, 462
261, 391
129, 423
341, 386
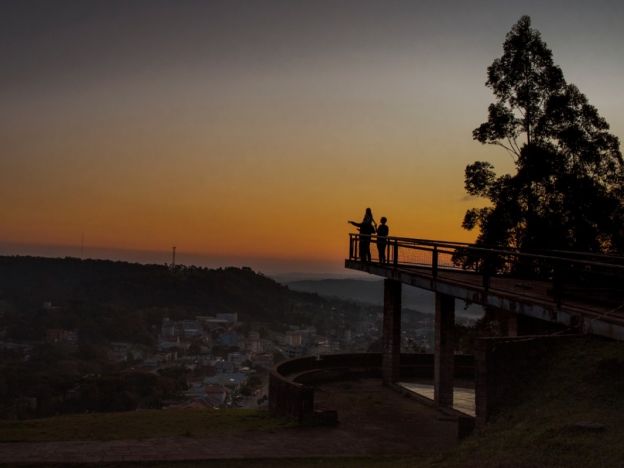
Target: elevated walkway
581, 291
574, 292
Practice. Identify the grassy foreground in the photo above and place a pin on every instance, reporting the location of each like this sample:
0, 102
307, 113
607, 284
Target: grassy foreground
138, 425
582, 382
346, 462
545, 426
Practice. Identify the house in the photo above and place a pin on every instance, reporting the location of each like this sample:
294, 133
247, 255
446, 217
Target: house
236, 359
228, 338
59, 335
191, 328
215, 394
253, 344
223, 367
231, 318
231, 380
264, 360
169, 328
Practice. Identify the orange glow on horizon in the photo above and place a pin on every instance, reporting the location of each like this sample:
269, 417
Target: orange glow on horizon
258, 130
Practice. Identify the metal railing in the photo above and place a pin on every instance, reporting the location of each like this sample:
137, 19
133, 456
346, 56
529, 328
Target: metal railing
577, 275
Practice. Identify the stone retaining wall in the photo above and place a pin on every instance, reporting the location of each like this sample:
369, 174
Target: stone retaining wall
291, 395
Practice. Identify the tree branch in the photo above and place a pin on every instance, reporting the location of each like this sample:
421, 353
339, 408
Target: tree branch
509, 149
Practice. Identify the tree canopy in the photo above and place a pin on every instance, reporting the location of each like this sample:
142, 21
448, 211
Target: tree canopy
567, 190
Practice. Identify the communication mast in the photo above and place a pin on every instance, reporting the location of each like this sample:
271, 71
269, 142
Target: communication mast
173, 249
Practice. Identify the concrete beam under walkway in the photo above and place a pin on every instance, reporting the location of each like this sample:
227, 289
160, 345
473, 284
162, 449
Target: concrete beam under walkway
510, 296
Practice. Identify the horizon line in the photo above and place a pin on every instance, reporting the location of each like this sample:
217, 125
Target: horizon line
264, 264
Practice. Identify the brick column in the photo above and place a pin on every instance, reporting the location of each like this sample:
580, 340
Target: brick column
509, 322
483, 374
512, 324
391, 331
444, 357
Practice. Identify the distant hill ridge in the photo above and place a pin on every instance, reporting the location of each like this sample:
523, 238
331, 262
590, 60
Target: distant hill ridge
61, 280
123, 301
371, 292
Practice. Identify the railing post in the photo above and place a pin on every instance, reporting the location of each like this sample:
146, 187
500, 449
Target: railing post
395, 260
434, 262
557, 284
486, 271
351, 246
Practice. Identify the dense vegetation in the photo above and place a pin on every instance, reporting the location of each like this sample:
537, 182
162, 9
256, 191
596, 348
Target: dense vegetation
105, 300
566, 193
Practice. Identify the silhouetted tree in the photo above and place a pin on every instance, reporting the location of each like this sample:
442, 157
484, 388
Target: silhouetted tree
568, 186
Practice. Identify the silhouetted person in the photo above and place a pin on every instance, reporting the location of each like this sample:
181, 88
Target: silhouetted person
382, 239
366, 228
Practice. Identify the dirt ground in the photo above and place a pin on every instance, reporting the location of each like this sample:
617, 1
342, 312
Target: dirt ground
373, 421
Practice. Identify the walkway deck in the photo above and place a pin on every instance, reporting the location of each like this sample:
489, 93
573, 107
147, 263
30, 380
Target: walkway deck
585, 306
463, 396
581, 309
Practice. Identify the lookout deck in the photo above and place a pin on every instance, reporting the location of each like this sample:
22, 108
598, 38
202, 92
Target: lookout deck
574, 291
580, 291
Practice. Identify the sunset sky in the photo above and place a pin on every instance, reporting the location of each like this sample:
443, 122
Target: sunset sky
249, 132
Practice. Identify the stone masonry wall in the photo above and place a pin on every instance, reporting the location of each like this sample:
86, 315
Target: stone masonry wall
289, 394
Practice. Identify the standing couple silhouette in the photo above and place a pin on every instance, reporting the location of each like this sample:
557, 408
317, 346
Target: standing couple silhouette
367, 228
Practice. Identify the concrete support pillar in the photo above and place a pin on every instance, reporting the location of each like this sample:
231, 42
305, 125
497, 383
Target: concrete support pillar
391, 331
444, 356
510, 323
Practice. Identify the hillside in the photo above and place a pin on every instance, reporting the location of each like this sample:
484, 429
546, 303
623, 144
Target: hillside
566, 414
33, 280
125, 301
